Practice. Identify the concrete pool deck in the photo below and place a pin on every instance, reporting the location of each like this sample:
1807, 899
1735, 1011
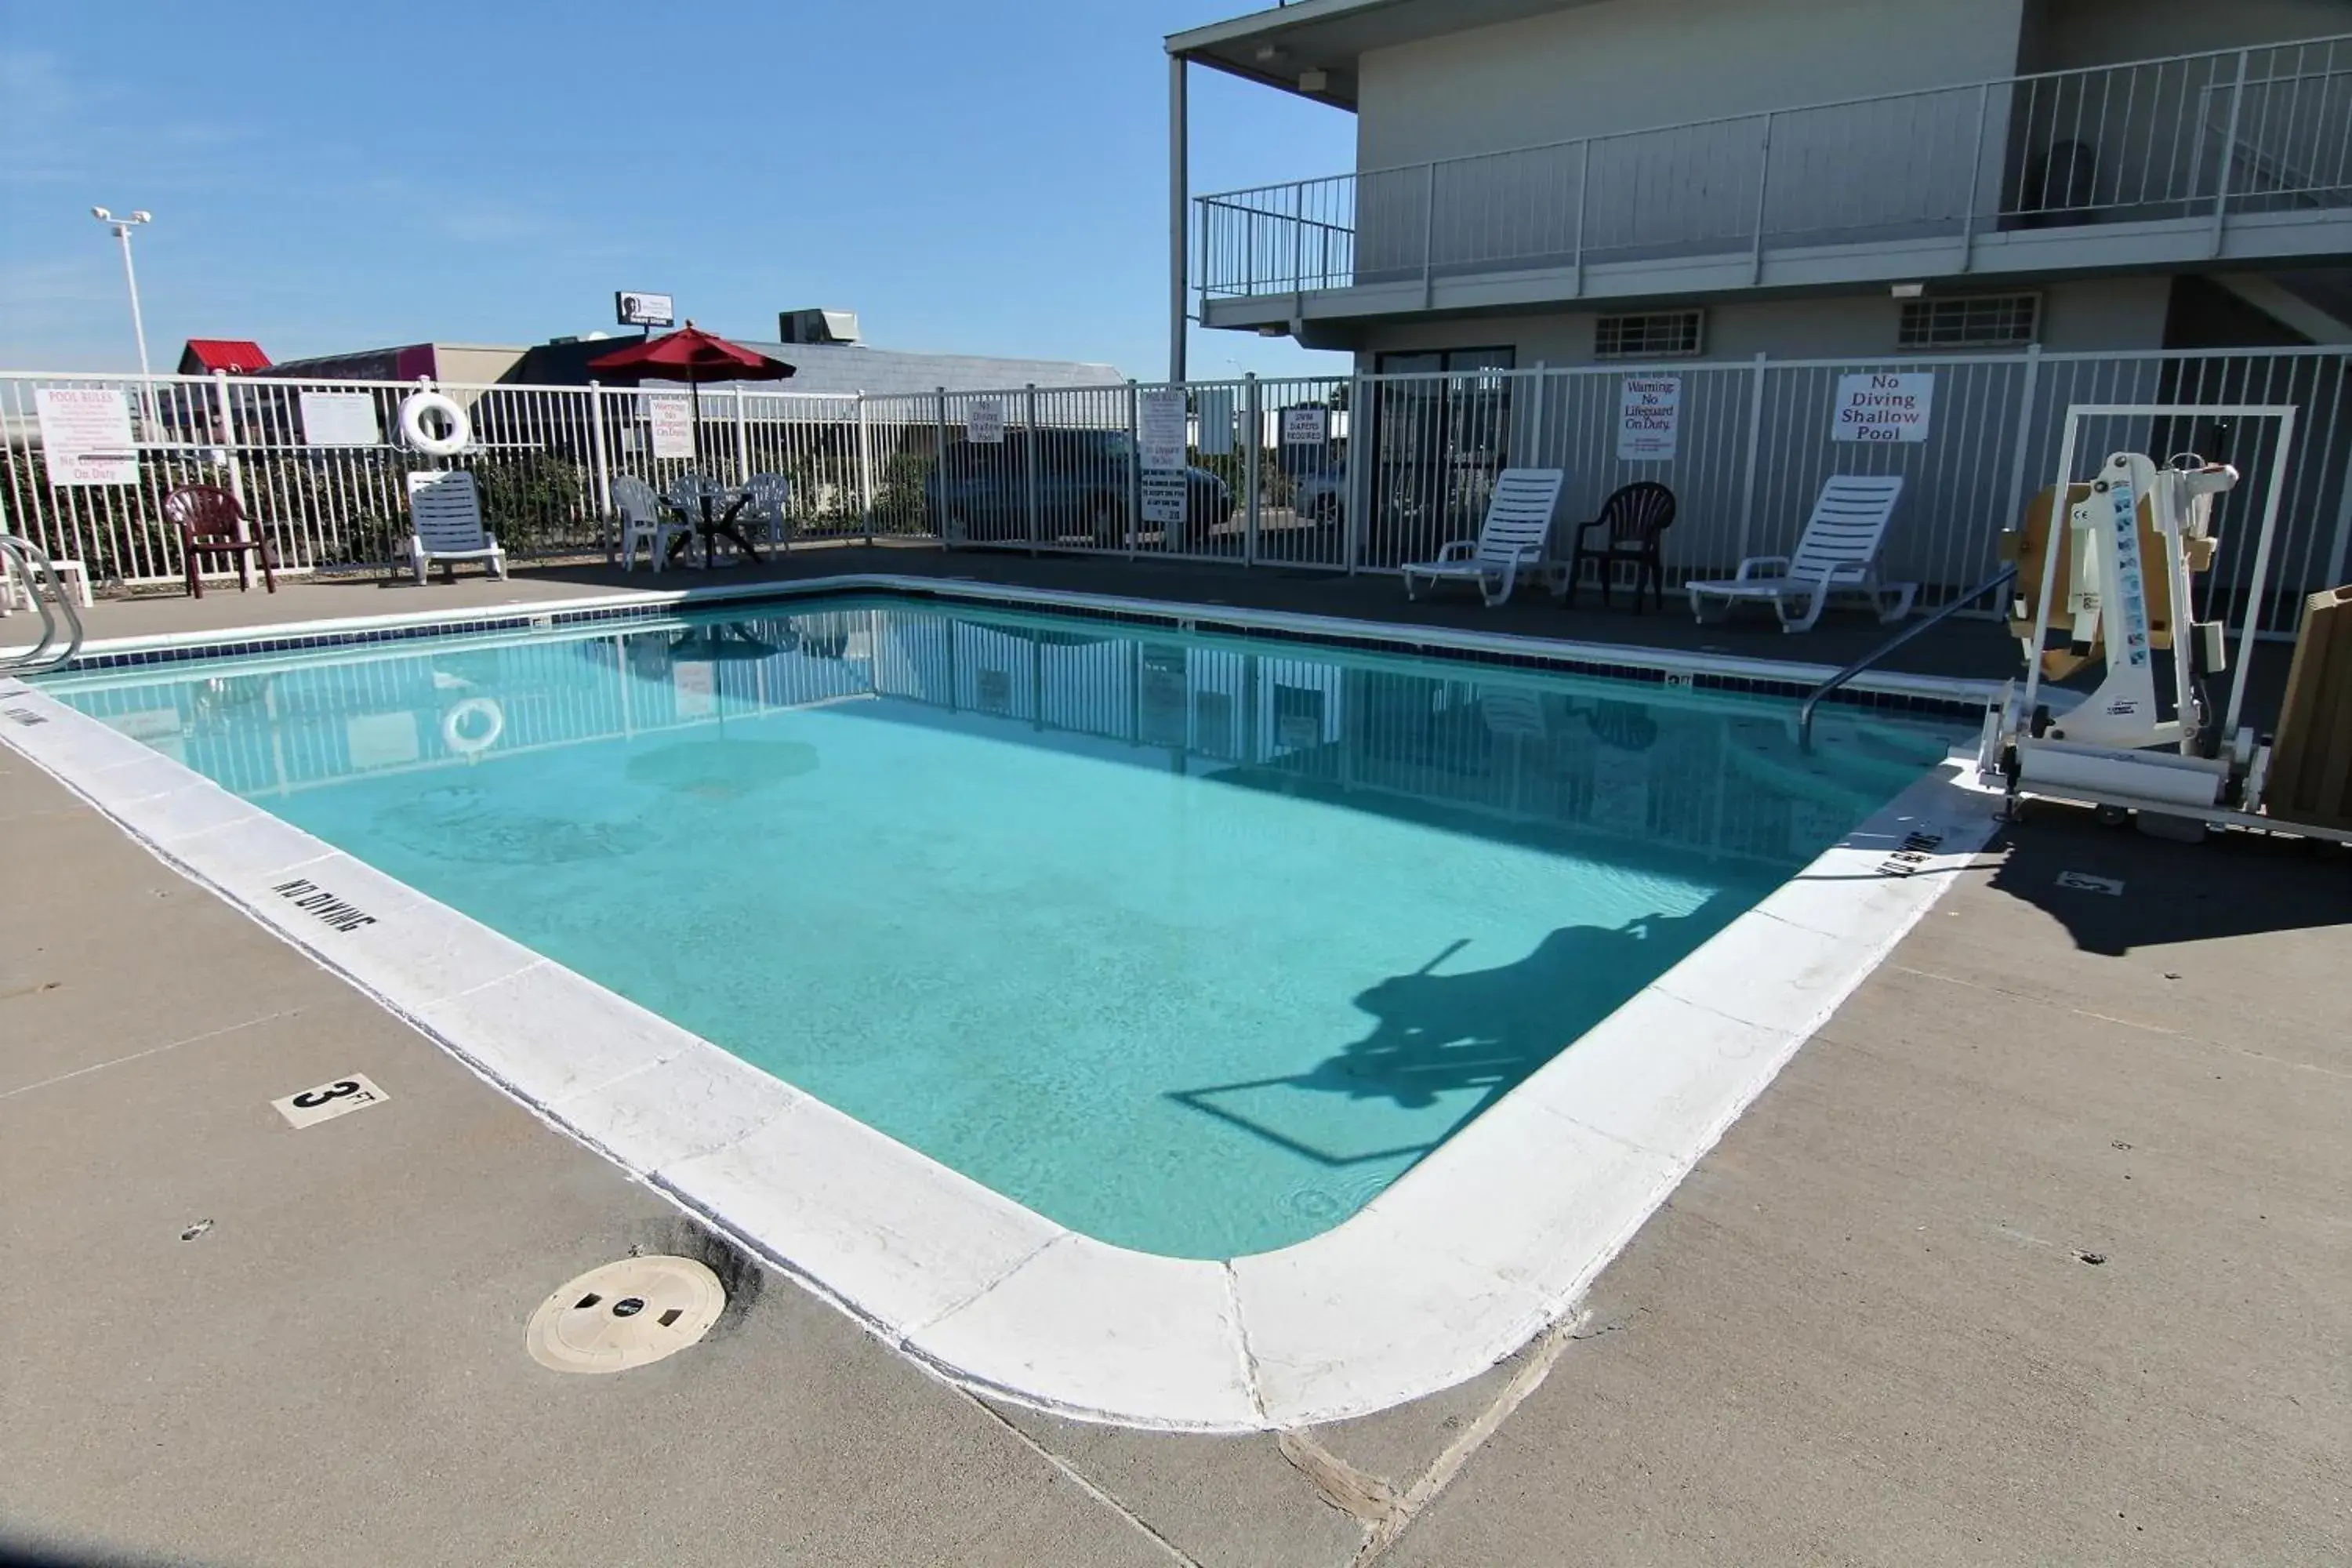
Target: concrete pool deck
1860, 1329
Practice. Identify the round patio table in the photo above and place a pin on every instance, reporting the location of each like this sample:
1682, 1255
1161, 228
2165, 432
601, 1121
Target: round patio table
714, 525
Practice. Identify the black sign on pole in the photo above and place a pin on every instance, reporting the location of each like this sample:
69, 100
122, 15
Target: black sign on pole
635, 308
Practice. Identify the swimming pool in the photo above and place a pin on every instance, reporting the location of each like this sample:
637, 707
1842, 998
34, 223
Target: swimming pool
1193, 946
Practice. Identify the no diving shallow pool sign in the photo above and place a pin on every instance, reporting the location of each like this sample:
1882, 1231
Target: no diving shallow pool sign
325, 1101
1884, 406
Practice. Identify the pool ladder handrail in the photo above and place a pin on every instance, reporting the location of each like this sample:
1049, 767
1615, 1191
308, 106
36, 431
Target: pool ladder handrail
31, 565
1813, 697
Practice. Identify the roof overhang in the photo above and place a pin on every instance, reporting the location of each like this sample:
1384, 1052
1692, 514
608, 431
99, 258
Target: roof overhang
1281, 47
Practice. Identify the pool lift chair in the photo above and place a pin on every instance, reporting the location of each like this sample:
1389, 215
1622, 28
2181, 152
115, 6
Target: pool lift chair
2120, 578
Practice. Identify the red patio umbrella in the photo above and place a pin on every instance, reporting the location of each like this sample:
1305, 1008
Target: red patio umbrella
693, 356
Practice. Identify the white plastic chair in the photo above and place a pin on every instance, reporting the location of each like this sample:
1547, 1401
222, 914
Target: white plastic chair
642, 522
770, 506
1511, 540
686, 492
446, 509
1837, 555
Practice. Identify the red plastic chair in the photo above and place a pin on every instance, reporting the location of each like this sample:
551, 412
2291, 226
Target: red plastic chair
210, 523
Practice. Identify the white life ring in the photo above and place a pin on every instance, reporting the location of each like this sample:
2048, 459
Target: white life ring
465, 742
413, 430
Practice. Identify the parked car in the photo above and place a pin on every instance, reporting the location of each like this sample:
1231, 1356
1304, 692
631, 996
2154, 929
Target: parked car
1323, 494
981, 491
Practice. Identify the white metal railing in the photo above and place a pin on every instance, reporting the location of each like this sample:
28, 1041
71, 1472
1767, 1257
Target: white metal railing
2206, 137
1357, 474
25, 568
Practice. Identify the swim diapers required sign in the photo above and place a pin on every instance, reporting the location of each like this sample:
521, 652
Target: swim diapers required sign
1884, 406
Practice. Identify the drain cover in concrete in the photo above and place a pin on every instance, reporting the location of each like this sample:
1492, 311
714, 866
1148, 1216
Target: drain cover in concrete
625, 1314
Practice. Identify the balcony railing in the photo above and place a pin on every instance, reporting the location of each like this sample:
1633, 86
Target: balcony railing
2210, 136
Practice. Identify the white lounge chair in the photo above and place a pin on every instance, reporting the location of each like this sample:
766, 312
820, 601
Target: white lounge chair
446, 510
1518, 521
1837, 555
642, 522
73, 577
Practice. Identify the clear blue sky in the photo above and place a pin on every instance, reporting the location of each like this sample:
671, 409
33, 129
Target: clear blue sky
329, 177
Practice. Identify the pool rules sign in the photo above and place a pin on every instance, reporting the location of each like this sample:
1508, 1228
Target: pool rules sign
1884, 406
86, 435
1160, 441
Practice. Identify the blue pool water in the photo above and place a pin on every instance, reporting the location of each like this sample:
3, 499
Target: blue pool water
1191, 945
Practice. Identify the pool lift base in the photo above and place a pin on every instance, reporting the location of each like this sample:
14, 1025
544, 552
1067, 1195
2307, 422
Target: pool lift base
2181, 775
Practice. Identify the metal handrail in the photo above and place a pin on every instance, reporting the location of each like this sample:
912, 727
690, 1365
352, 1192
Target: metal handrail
1946, 161
33, 563
1813, 697
1817, 106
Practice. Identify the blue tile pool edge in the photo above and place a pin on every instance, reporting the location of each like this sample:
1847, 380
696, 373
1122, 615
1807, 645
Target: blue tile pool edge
1886, 691
1453, 1267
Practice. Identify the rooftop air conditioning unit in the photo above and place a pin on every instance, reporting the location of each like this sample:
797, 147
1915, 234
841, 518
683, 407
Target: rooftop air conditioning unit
816, 326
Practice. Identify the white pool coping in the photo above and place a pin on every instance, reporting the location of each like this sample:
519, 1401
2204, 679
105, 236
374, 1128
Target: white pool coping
1482, 1245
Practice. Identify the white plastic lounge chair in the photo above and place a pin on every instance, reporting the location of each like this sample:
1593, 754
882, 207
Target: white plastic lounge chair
770, 507
73, 577
1837, 555
642, 522
1518, 521
446, 510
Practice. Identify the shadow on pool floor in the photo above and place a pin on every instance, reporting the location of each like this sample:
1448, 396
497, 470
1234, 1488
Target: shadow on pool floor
1484, 1029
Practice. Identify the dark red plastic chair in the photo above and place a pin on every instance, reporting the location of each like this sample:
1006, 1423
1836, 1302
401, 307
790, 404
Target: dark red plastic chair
210, 523
1636, 519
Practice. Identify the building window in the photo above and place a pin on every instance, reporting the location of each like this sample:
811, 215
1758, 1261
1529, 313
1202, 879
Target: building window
1661, 334
1451, 361
1982, 322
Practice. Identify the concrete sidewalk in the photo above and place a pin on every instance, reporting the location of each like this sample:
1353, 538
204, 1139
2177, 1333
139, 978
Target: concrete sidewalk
2037, 1253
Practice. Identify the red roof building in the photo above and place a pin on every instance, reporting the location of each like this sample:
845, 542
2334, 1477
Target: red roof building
204, 356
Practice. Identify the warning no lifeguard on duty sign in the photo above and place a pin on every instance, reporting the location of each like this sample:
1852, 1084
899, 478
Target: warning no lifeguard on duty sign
1886, 407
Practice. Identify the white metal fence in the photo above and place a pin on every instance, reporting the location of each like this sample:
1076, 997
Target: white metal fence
1752, 449
1347, 474
545, 457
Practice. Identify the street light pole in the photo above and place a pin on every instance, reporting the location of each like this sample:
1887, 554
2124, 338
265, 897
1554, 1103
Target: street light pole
123, 227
